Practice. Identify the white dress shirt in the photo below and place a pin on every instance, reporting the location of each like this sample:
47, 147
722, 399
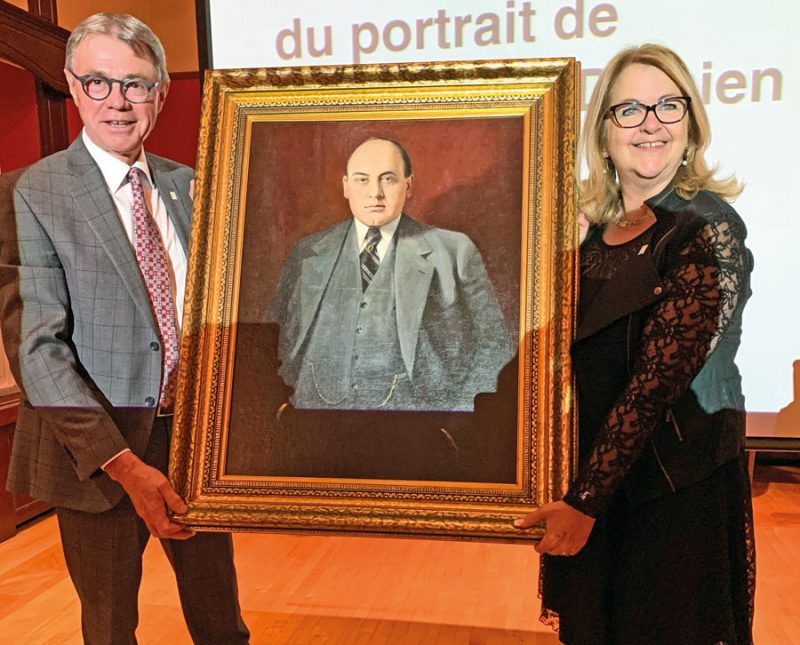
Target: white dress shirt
115, 172
387, 230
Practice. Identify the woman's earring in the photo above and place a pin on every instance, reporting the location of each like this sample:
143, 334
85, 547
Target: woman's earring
685, 160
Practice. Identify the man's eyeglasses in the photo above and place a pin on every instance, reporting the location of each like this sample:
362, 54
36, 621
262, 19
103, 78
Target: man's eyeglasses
632, 113
98, 87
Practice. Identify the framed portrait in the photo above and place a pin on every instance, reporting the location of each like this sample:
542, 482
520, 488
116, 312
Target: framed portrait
380, 300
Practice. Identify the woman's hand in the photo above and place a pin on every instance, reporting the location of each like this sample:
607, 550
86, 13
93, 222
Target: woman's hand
566, 528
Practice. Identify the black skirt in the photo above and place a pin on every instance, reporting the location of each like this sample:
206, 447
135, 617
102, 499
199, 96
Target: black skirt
679, 570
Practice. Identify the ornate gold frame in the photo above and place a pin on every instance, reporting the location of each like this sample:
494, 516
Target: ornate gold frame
541, 92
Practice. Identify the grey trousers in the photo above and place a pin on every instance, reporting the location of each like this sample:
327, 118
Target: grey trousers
103, 552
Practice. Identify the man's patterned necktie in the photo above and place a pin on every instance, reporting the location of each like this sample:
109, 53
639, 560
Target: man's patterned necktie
152, 258
369, 257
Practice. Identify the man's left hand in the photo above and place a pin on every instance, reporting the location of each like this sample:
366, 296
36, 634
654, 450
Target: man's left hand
152, 495
566, 528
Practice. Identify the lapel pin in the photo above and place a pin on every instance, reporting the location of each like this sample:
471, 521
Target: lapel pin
173, 195
642, 250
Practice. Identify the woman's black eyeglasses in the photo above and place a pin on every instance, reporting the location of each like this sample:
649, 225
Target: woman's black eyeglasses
632, 114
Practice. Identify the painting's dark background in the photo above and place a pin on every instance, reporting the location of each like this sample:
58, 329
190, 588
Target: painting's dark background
468, 178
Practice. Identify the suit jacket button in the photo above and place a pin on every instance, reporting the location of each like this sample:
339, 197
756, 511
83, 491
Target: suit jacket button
657, 291
363, 304
154, 346
149, 401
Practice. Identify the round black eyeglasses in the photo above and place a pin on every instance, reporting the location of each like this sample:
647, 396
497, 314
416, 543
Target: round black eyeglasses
632, 114
98, 87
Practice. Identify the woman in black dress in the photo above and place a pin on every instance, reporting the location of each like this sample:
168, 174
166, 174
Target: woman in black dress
653, 542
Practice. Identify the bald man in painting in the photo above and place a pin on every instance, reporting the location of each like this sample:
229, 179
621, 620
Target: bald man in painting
382, 312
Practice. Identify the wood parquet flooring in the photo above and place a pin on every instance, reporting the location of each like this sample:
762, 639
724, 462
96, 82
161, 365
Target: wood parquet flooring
365, 591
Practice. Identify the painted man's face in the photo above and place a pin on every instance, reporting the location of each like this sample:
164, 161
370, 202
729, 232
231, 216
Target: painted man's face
375, 183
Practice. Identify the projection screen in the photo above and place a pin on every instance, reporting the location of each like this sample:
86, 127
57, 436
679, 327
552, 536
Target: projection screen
744, 58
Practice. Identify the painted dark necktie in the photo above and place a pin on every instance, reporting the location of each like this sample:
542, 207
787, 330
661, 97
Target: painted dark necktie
369, 257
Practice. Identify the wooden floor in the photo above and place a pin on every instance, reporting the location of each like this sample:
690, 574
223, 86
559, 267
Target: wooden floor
370, 591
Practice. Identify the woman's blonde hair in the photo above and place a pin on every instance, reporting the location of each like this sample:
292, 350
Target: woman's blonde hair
599, 196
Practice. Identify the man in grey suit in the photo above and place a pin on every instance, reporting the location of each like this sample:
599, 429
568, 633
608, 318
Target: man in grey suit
382, 312
92, 269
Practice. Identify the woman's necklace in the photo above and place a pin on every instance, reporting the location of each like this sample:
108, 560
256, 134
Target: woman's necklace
645, 214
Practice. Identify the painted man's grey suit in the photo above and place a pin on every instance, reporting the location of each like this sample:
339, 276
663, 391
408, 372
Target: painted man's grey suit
78, 325
453, 340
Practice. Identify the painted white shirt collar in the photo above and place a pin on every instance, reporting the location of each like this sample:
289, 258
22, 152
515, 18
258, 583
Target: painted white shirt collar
387, 231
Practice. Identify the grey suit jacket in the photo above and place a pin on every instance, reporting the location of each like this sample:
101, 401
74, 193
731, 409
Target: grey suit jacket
78, 326
452, 334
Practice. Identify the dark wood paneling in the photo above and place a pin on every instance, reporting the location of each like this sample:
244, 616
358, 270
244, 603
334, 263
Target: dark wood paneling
51, 103
14, 509
46, 9
34, 44
204, 53
52, 108
8, 518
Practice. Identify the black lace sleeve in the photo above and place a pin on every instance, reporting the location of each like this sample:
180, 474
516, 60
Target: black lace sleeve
704, 282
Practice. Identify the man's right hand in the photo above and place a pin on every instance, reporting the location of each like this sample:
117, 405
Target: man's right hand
152, 495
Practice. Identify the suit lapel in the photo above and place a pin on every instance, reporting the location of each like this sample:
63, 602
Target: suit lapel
175, 198
315, 273
95, 205
413, 274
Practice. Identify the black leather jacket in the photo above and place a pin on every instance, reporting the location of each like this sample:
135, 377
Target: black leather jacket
671, 410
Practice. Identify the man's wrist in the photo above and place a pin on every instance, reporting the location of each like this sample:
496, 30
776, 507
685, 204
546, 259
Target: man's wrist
120, 464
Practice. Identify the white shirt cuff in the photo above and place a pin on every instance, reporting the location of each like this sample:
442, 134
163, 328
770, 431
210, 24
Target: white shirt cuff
103, 467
